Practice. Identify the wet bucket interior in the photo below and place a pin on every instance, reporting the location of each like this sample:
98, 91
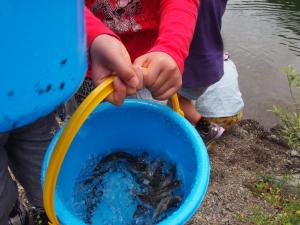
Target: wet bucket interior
134, 127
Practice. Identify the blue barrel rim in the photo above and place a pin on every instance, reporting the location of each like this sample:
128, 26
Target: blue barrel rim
192, 202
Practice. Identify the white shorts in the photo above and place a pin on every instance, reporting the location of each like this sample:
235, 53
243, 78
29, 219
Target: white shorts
221, 99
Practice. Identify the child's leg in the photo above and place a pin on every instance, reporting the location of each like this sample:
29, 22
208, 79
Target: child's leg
190, 112
208, 131
8, 188
26, 147
186, 96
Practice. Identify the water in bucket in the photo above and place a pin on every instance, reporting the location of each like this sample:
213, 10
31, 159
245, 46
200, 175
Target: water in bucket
122, 188
134, 127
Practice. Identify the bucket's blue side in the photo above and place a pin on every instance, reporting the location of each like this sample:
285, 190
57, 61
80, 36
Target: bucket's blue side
135, 126
42, 57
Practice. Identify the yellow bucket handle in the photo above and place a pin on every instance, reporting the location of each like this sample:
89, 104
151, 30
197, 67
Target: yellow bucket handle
67, 136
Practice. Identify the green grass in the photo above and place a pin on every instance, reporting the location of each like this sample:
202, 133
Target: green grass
285, 203
290, 120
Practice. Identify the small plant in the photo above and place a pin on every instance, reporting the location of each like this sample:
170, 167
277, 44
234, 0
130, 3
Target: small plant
285, 203
290, 121
272, 190
260, 217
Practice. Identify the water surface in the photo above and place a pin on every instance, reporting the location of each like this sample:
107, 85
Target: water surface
263, 36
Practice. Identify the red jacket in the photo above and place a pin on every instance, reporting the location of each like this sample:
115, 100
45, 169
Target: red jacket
145, 25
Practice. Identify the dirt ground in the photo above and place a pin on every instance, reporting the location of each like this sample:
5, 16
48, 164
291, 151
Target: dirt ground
237, 159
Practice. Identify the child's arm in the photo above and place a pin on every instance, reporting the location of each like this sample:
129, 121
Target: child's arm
166, 59
94, 27
178, 20
107, 55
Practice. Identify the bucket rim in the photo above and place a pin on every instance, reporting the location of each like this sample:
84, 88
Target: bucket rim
201, 181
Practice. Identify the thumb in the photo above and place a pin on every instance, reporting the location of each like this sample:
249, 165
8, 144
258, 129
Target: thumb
151, 74
124, 71
142, 63
111, 55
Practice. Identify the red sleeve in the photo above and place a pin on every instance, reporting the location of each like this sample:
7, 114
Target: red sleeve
94, 27
177, 24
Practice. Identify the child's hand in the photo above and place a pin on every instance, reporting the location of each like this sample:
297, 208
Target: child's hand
109, 55
163, 77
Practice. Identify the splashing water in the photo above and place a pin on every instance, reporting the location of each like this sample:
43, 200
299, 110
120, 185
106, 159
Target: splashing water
125, 189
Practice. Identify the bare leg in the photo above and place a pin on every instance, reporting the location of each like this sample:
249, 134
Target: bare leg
190, 112
208, 131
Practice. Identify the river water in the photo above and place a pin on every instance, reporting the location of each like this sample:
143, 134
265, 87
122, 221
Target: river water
262, 36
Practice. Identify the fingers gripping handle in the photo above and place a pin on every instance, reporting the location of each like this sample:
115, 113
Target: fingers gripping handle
67, 136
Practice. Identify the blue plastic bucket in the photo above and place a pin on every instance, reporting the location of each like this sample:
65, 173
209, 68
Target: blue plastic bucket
135, 126
42, 57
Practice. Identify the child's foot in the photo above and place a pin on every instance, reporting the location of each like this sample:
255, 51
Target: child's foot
39, 216
209, 132
18, 215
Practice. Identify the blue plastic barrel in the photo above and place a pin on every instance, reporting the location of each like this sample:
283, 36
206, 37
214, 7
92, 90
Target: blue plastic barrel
42, 57
134, 127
